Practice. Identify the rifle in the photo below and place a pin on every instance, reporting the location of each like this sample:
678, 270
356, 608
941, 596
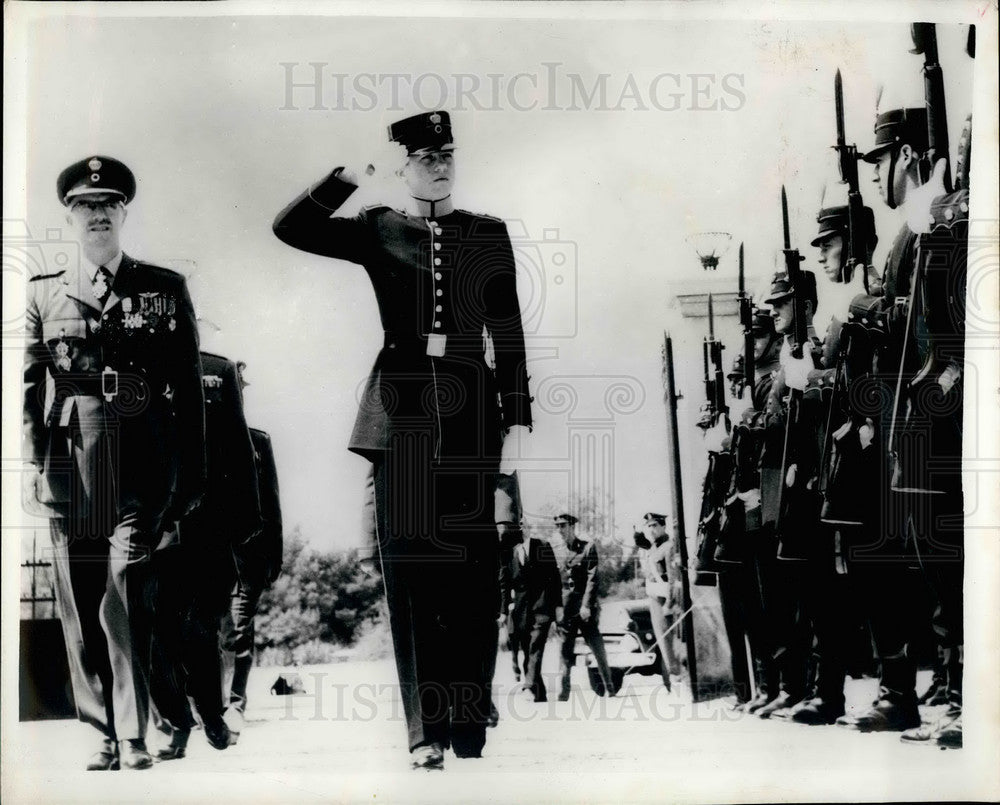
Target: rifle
799, 335
670, 398
715, 378
746, 320
924, 35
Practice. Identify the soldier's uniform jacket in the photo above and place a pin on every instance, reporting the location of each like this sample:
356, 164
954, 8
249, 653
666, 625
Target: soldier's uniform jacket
579, 577
230, 510
133, 438
442, 285
263, 552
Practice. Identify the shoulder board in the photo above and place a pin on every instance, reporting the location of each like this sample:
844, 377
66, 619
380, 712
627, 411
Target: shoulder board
375, 207
162, 271
483, 216
39, 277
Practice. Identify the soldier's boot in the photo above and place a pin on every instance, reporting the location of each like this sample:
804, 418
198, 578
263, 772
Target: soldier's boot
784, 700
818, 710
943, 731
937, 692
893, 711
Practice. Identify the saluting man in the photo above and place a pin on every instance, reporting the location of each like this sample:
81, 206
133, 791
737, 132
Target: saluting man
114, 433
430, 421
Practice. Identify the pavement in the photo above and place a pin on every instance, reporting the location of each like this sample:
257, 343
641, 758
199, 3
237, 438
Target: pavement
343, 740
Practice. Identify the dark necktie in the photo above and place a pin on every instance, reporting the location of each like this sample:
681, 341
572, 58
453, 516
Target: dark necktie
103, 280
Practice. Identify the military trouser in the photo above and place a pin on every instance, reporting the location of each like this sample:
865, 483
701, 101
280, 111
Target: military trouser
105, 591
736, 597
786, 637
238, 627
194, 582
567, 655
440, 573
663, 622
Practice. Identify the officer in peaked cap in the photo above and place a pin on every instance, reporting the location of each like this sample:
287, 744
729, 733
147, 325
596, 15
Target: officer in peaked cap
440, 417
114, 446
581, 607
661, 570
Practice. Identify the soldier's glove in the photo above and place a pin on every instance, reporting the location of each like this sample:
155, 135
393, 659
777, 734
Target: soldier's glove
797, 369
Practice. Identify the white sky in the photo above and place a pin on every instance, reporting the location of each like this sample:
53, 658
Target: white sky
193, 107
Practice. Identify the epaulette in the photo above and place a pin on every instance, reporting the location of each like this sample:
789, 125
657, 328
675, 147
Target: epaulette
208, 354
819, 384
950, 209
378, 206
492, 218
38, 277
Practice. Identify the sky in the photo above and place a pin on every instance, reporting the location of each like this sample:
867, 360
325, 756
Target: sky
600, 196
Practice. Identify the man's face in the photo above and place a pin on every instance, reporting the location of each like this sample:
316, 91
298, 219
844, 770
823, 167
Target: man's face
781, 312
830, 251
882, 178
760, 345
97, 220
566, 531
654, 530
430, 176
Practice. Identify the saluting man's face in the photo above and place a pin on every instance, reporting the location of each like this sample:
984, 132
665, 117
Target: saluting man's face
430, 176
654, 530
830, 251
97, 220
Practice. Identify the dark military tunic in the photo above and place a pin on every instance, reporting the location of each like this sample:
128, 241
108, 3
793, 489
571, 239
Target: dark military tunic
431, 421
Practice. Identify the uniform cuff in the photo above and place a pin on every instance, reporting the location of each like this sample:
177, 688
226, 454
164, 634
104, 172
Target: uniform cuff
332, 191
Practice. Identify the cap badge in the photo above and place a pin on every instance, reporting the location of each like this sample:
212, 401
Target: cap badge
94, 164
95, 177
435, 118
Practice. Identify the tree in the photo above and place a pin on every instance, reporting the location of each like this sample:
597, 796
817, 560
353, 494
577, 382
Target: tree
320, 596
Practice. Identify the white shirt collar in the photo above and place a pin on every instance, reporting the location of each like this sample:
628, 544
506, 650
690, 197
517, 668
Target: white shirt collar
90, 269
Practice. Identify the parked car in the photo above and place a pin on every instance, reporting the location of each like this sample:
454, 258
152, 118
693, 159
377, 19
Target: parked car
627, 629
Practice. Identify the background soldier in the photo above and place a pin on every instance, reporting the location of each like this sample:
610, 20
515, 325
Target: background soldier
195, 573
258, 565
430, 422
114, 431
581, 606
660, 571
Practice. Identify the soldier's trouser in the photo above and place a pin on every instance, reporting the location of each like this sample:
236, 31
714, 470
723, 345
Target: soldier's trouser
734, 593
533, 648
194, 582
662, 622
442, 591
787, 641
238, 630
80, 562
567, 655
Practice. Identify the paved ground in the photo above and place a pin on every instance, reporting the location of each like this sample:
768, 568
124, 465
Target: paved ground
344, 741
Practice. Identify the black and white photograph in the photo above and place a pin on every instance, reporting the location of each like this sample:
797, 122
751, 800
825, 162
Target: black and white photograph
488, 402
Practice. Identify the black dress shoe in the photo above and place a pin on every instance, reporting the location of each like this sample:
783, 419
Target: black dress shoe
756, 703
106, 759
177, 747
780, 702
217, 733
132, 755
817, 711
890, 713
430, 757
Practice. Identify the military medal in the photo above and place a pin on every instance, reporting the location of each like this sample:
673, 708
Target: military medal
100, 285
62, 356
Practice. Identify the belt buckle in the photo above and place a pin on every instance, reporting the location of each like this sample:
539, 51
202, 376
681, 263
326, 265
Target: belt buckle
109, 383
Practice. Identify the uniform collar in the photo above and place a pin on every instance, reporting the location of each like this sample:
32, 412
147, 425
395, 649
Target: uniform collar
425, 208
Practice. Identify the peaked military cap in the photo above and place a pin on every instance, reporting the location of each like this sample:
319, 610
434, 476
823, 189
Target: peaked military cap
96, 174
782, 288
429, 131
836, 221
565, 518
653, 517
899, 126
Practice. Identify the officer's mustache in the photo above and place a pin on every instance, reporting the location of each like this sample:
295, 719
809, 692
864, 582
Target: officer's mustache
99, 222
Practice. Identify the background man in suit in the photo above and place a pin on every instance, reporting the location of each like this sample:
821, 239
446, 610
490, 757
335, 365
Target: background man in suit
581, 607
536, 588
114, 439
